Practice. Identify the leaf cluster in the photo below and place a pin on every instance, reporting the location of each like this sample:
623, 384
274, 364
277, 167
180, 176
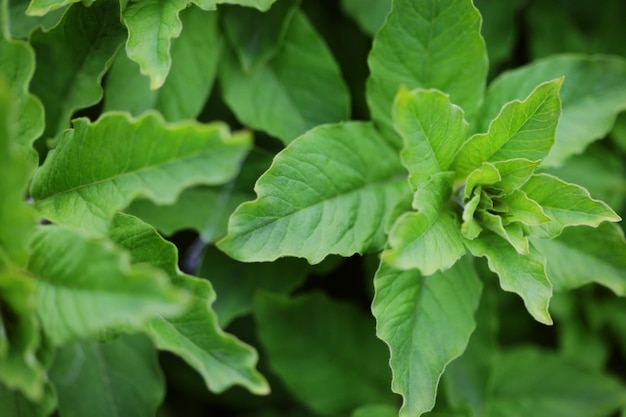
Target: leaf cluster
366, 184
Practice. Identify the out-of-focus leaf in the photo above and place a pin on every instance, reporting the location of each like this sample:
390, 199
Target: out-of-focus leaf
369, 15
85, 286
376, 410
22, 24
426, 322
108, 163
300, 88
548, 385
581, 255
195, 56
432, 44
319, 347
14, 404
328, 192
236, 283
116, 378
592, 95
258, 36
43, 7
80, 49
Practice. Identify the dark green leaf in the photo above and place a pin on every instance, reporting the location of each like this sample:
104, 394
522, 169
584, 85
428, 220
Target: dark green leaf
325, 352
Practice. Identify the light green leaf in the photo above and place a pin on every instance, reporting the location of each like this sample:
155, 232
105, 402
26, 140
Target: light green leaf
117, 378
43, 7
517, 207
512, 233
195, 56
152, 24
14, 404
426, 322
486, 175
582, 255
257, 36
16, 217
428, 239
523, 129
369, 15
566, 204
434, 44
19, 336
319, 347
85, 286
593, 93
328, 192
432, 129
514, 173
194, 335
375, 410
300, 88
524, 275
26, 121
110, 162
237, 283
548, 385
80, 49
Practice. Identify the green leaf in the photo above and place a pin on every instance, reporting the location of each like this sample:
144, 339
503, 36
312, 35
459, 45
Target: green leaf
592, 95
524, 275
258, 36
42, 7
523, 129
514, 173
369, 15
517, 207
152, 24
80, 49
26, 121
581, 255
566, 204
319, 347
105, 169
435, 44
117, 378
85, 285
237, 283
433, 130
195, 56
194, 335
16, 217
499, 27
512, 233
426, 322
300, 88
328, 192
548, 385
375, 410
428, 239
15, 404
19, 336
